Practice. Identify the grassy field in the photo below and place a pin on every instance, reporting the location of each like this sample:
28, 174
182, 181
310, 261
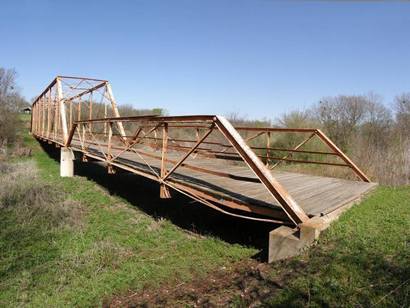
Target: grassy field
88, 244
362, 260
82, 241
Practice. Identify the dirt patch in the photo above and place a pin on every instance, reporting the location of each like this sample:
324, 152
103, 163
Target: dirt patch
247, 283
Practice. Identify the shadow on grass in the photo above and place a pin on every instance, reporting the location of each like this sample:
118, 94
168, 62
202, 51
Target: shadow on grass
180, 210
359, 277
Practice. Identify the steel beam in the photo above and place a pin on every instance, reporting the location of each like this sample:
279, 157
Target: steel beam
289, 205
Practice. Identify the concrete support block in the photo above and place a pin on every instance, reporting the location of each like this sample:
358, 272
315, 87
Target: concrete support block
285, 242
66, 162
310, 230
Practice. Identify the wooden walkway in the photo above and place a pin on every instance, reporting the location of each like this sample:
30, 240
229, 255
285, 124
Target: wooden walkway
317, 195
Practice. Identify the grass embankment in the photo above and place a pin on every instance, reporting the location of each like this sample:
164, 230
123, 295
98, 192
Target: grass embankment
66, 241
362, 260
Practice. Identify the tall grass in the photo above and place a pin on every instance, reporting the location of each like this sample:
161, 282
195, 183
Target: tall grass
67, 242
378, 143
388, 165
26, 197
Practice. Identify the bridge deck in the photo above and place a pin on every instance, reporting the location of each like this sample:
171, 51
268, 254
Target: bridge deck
317, 195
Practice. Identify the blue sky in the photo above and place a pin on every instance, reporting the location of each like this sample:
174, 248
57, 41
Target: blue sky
259, 58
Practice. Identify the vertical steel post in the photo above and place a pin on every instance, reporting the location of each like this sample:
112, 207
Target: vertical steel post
90, 110
111, 169
43, 115
71, 115
55, 104
197, 134
39, 116
267, 147
33, 119
49, 114
105, 112
79, 110
164, 191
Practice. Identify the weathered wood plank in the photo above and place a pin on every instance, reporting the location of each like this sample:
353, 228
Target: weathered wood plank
315, 194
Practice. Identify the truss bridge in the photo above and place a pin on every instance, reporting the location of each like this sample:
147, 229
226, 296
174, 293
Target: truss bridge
239, 171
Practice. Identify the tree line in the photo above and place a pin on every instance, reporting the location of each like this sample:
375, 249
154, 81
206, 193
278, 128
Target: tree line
375, 135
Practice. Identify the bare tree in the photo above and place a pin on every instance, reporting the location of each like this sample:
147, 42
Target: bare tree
377, 123
10, 102
7, 82
340, 116
402, 109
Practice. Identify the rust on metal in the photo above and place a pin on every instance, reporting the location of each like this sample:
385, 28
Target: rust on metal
201, 156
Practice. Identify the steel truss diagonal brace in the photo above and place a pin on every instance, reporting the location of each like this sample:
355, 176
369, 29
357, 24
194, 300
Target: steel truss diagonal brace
288, 204
188, 153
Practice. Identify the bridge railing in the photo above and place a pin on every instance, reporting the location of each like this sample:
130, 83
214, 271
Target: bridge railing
177, 141
263, 137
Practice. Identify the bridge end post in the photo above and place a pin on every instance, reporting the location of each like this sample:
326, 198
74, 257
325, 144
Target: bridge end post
66, 162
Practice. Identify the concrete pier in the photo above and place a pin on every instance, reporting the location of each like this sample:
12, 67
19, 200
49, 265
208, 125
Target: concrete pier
66, 162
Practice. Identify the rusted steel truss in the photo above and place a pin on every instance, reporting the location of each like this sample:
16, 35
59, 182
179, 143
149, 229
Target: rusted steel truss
161, 147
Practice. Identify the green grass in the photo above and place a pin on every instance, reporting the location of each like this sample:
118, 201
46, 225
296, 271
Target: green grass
362, 260
118, 248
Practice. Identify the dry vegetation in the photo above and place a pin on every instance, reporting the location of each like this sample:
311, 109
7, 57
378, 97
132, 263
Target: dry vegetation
25, 196
376, 137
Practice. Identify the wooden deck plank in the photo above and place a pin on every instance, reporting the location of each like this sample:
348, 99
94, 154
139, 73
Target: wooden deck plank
315, 194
